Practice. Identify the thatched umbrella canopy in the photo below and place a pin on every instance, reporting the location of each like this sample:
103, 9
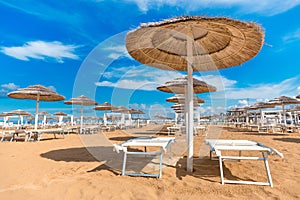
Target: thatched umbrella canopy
180, 98
194, 43
82, 101
282, 101
5, 114
20, 112
217, 43
60, 114
121, 109
104, 107
136, 111
182, 106
44, 113
178, 86
38, 93
259, 106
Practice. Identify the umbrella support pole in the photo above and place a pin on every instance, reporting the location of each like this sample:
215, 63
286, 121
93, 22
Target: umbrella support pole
190, 106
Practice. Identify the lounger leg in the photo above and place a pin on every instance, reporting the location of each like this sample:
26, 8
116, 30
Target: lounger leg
265, 155
124, 164
160, 163
221, 169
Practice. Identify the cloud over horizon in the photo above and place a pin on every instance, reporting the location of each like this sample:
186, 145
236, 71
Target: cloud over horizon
41, 50
266, 7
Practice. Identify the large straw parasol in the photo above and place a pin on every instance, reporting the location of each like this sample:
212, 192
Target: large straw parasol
194, 43
298, 97
178, 86
123, 110
282, 101
60, 114
105, 107
180, 98
259, 106
38, 93
20, 114
82, 101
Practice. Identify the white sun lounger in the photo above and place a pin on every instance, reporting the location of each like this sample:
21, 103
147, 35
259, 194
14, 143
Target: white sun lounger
162, 143
217, 146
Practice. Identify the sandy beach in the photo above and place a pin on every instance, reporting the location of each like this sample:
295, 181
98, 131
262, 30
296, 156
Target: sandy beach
64, 169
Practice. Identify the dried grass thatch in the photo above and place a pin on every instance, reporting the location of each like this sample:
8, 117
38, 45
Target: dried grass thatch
60, 114
121, 109
32, 92
180, 98
20, 112
178, 86
260, 105
217, 43
284, 100
105, 106
81, 100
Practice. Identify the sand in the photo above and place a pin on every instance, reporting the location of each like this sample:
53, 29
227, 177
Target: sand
64, 169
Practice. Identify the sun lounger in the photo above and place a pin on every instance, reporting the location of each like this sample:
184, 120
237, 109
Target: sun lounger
22, 135
173, 129
162, 143
217, 146
37, 134
202, 129
7, 135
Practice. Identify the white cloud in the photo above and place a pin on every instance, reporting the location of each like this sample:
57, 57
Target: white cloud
243, 103
6, 88
291, 37
117, 51
41, 50
220, 82
9, 86
148, 78
137, 78
265, 7
286, 87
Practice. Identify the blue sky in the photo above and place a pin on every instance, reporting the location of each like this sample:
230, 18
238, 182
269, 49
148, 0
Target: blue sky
78, 47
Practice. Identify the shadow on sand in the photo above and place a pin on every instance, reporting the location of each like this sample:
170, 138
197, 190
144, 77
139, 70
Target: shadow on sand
295, 140
206, 169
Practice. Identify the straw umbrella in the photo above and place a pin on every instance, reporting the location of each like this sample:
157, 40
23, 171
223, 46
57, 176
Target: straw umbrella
38, 93
282, 101
194, 43
180, 98
45, 114
136, 112
122, 110
261, 105
82, 101
298, 97
60, 116
20, 113
178, 86
105, 107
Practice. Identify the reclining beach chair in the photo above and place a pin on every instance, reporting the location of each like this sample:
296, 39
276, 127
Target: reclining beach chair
7, 136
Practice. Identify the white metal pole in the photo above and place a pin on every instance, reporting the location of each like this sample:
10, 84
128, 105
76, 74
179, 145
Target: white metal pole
190, 99
36, 112
81, 119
